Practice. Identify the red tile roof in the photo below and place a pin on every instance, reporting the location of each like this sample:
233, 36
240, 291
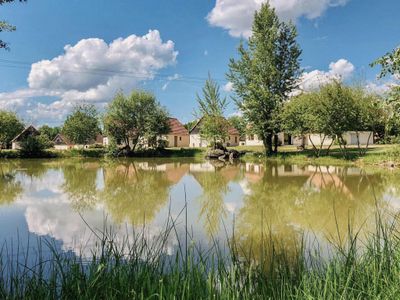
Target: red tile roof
176, 127
233, 131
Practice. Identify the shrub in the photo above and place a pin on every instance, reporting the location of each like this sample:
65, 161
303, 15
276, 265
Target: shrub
34, 145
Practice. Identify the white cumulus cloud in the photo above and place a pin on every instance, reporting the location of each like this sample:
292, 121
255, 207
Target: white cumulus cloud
236, 16
339, 70
93, 71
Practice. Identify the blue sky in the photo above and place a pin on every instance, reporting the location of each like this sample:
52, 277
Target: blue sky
338, 38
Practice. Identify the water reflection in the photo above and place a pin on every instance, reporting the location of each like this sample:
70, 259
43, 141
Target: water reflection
10, 187
266, 201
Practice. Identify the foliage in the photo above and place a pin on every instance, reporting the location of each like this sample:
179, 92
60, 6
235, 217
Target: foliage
390, 63
211, 108
136, 269
50, 132
190, 125
33, 146
332, 111
132, 119
239, 123
10, 127
82, 125
266, 73
4, 26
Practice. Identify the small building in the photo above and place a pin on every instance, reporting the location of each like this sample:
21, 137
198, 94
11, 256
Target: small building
178, 135
28, 131
283, 140
350, 138
196, 141
61, 142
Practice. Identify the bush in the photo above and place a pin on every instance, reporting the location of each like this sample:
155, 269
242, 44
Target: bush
34, 145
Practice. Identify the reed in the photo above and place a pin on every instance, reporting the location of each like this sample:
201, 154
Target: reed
132, 267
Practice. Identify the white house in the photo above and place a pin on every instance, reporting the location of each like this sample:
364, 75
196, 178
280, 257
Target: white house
350, 137
61, 142
196, 141
283, 138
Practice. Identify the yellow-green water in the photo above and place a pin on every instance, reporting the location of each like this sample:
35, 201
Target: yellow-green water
70, 201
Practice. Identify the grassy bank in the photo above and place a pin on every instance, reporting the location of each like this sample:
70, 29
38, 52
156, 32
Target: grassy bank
101, 152
385, 155
136, 269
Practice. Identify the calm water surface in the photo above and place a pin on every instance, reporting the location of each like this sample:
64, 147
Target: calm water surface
61, 199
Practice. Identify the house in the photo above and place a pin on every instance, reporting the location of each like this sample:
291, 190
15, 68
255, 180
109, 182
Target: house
350, 138
283, 139
178, 135
61, 142
28, 131
196, 141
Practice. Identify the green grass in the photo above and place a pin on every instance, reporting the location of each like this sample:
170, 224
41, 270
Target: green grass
376, 155
137, 269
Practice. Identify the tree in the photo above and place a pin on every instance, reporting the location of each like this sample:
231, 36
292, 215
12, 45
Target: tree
135, 118
50, 132
211, 108
239, 123
190, 125
390, 64
10, 127
82, 125
332, 111
6, 27
266, 73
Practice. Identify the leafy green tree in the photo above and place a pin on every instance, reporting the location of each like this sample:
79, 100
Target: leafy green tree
6, 27
390, 64
266, 73
132, 119
190, 125
10, 127
211, 108
50, 132
82, 125
239, 123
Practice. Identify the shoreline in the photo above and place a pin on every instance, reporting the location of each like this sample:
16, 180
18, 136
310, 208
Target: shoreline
386, 156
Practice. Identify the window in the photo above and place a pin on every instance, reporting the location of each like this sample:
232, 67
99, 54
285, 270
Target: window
180, 138
251, 137
235, 139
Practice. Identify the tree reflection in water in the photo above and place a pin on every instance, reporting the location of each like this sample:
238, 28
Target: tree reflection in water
285, 202
134, 192
214, 181
10, 187
80, 183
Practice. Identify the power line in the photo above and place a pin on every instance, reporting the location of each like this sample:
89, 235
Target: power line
108, 72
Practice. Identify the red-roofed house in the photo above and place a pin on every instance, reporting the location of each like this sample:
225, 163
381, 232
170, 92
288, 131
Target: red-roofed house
178, 135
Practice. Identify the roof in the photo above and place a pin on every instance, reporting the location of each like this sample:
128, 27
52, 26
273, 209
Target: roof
233, 131
66, 141
196, 129
63, 138
176, 127
28, 130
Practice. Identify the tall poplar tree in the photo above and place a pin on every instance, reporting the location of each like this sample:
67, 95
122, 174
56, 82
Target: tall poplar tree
266, 73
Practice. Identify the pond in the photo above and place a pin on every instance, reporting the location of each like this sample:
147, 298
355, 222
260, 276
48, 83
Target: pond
71, 201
